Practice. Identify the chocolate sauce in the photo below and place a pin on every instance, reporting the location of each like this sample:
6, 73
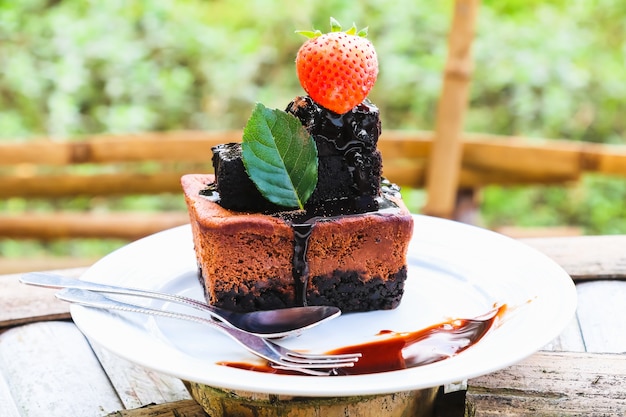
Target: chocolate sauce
395, 351
302, 233
210, 193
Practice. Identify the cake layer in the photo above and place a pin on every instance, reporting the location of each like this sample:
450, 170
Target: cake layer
356, 262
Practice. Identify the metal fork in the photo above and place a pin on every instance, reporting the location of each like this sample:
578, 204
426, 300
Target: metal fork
281, 357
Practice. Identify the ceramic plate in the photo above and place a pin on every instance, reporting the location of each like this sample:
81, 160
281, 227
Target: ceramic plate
455, 270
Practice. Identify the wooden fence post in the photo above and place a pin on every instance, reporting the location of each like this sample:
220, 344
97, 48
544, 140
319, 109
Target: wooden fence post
444, 164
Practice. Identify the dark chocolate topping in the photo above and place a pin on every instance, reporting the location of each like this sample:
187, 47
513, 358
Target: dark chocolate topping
334, 133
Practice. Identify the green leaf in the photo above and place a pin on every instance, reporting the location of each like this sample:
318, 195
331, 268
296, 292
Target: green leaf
280, 156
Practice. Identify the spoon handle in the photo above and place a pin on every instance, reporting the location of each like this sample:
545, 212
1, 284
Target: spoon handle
49, 280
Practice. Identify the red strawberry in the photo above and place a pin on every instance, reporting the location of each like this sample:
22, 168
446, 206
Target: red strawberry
337, 69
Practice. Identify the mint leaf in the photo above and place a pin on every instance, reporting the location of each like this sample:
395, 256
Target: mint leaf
280, 156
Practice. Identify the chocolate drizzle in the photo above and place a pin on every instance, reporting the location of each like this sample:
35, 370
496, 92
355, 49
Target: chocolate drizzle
302, 233
303, 225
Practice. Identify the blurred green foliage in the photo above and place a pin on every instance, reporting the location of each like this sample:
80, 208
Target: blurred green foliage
542, 69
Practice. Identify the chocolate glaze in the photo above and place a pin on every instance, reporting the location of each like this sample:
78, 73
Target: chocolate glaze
334, 134
353, 136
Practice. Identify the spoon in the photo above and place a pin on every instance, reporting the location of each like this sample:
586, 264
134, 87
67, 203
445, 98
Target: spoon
268, 323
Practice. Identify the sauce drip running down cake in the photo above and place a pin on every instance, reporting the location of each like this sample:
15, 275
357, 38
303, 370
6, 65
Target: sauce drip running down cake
344, 245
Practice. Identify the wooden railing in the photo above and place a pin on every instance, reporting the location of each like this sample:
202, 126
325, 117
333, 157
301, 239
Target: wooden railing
29, 167
153, 163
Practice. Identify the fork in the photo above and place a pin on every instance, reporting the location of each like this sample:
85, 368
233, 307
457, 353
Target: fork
278, 356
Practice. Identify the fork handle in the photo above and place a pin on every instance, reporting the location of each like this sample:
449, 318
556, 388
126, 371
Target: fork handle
49, 280
252, 343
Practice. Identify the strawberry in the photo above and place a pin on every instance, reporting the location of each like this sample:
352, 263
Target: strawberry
337, 69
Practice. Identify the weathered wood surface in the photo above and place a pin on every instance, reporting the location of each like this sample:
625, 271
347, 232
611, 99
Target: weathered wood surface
600, 314
183, 408
136, 385
21, 304
227, 403
51, 369
553, 384
569, 381
586, 257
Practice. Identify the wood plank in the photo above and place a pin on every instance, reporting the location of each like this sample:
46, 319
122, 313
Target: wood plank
442, 178
586, 257
138, 386
8, 408
553, 384
184, 408
25, 304
111, 225
114, 184
405, 154
43, 263
190, 146
570, 339
50, 366
521, 154
601, 312
482, 152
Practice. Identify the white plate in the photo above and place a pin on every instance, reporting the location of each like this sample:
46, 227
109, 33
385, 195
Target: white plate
455, 270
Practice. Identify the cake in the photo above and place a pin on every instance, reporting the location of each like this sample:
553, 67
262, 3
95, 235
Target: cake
343, 242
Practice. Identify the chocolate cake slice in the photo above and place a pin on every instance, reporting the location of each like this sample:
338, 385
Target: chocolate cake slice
255, 261
341, 235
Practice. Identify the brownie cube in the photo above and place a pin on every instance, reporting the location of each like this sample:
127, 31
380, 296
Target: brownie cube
235, 188
350, 176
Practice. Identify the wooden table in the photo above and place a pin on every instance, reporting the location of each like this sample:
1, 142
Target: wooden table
48, 368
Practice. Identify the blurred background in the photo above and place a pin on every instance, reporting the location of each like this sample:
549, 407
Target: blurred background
543, 69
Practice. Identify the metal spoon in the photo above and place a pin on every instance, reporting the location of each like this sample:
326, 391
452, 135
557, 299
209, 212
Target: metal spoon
268, 323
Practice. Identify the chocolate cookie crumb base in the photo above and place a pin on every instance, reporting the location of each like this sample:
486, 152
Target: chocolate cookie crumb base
343, 289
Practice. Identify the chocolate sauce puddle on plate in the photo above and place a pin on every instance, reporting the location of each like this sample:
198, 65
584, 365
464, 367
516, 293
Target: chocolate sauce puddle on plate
394, 351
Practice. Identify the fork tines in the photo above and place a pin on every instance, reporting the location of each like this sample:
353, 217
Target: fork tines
322, 361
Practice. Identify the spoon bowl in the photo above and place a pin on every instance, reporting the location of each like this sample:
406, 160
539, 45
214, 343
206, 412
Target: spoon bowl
265, 323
